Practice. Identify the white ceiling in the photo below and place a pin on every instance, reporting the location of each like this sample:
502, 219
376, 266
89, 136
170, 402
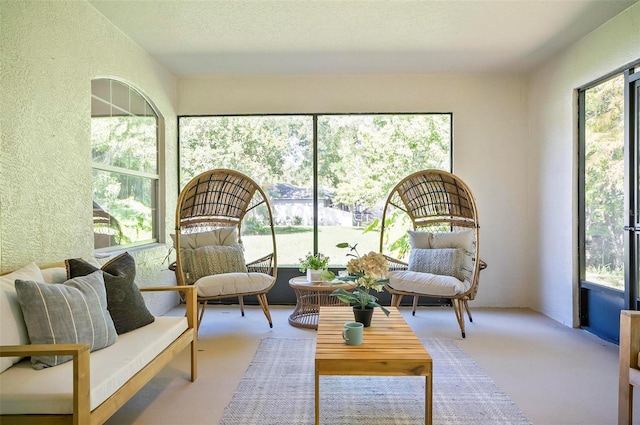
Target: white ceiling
355, 36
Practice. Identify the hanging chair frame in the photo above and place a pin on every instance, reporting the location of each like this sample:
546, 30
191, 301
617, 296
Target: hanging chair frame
222, 198
435, 200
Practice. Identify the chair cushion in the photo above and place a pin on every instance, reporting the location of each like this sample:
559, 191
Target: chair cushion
213, 259
420, 240
13, 330
124, 300
463, 239
223, 236
445, 261
232, 284
427, 283
72, 312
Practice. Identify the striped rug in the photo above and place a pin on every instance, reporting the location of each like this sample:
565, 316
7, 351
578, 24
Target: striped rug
278, 389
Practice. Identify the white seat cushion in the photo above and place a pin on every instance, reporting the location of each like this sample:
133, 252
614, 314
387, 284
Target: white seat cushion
232, 284
49, 391
426, 283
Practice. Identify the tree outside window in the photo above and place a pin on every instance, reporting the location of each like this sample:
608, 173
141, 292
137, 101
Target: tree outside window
359, 159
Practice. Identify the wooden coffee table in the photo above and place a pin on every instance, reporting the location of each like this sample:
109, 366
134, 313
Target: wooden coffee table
389, 348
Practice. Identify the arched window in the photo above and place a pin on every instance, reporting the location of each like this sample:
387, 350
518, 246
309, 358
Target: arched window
124, 150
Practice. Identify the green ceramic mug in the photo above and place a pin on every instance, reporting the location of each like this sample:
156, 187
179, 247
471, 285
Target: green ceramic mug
352, 333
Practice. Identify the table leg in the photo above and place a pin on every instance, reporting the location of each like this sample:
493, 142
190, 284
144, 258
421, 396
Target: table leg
317, 403
428, 400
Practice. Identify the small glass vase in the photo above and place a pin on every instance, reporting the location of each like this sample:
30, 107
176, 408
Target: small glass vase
314, 275
363, 316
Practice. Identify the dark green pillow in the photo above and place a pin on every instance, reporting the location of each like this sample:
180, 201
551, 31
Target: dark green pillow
124, 300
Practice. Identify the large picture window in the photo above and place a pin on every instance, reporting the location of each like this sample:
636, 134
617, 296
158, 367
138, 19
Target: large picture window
327, 175
124, 150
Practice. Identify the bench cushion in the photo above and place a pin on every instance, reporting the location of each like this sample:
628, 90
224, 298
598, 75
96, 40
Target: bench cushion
24, 390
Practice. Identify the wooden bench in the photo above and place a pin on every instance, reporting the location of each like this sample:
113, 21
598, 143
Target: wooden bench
82, 413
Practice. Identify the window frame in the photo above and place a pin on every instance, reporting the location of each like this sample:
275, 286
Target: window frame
314, 117
155, 179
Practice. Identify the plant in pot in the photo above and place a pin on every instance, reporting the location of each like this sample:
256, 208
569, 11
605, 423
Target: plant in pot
315, 265
365, 273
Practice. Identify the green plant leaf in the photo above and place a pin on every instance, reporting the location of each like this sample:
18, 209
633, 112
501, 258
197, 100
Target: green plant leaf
327, 275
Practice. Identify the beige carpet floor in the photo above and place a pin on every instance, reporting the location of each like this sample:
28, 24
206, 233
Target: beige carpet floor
556, 375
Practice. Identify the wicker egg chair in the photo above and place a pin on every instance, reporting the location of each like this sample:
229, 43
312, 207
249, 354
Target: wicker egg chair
209, 219
445, 225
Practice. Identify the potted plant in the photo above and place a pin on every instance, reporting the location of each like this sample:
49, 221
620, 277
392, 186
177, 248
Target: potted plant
314, 265
365, 273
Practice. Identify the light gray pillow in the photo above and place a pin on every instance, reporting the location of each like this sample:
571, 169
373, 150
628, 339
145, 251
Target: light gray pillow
73, 312
13, 330
226, 236
420, 239
213, 259
444, 262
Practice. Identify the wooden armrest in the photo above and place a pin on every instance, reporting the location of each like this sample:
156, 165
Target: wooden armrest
628, 363
629, 337
43, 350
189, 295
81, 371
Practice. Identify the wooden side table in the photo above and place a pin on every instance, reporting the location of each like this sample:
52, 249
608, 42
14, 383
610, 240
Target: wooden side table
309, 297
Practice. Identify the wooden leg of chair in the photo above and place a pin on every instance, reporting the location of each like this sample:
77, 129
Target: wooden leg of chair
466, 307
415, 304
262, 299
396, 300
203, 304
628, 359
241, 301
458, 310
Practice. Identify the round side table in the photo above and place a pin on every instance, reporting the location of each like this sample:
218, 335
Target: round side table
310, 296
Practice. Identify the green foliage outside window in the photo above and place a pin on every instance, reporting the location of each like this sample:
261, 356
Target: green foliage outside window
604, 183
359, 159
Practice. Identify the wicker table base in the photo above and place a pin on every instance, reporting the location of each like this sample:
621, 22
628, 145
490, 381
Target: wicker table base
309, 297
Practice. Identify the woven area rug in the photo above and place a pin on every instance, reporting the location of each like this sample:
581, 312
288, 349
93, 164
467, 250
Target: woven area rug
278, 389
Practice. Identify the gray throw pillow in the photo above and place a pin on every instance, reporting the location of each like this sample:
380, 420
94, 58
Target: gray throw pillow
124, 300
73, 312
213, 259
444, 262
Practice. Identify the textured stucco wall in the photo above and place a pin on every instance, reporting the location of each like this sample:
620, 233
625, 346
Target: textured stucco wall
553, 157
50, 51
490, 143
